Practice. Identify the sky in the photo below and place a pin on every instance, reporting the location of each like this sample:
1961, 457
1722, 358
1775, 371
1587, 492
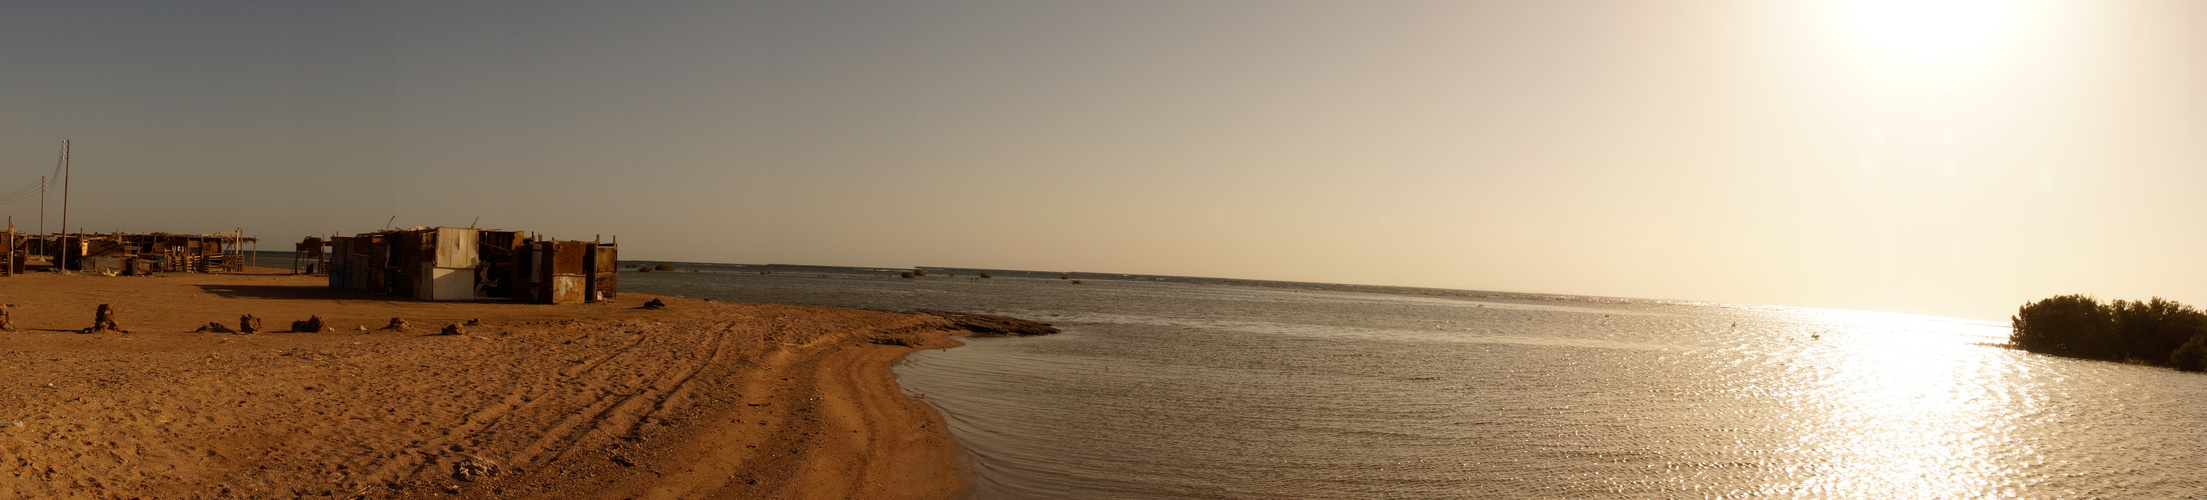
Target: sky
1942, 157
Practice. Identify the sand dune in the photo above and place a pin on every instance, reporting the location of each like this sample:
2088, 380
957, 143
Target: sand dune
699, 400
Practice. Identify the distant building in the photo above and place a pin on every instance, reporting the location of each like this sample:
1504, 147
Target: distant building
468, 264
135, 253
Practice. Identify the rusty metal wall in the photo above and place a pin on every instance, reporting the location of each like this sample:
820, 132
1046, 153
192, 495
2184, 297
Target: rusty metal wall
605, 273
340, 268
571, 259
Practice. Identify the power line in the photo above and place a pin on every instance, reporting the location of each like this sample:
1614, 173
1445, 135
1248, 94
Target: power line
27, 192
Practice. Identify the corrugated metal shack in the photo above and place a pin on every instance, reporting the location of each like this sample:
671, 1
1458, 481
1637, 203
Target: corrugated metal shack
311, 256
143, 253
453, 263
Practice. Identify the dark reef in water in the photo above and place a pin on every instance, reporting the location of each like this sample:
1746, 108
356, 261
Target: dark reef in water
983, 324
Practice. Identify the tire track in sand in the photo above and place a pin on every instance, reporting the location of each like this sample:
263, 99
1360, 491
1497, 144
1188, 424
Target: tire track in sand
423, 458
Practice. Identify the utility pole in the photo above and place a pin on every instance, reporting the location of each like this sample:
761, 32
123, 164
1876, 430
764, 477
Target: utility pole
42, 216
64, 264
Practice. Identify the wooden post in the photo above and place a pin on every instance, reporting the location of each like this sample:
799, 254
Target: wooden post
64, 263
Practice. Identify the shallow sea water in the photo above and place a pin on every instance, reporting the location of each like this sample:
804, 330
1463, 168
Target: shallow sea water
1195, 388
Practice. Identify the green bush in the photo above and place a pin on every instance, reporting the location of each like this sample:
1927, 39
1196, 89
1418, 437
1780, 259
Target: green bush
664, 267
2150, 332
2192, 356
2153, 330
2076, 326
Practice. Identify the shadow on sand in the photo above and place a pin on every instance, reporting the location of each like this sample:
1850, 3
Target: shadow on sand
285, 292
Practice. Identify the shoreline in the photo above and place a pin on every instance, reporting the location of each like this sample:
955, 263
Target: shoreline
702, 399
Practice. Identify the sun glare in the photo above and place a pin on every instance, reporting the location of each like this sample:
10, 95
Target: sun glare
1929, 31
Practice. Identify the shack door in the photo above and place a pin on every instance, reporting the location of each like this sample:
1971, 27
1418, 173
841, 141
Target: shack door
603, 274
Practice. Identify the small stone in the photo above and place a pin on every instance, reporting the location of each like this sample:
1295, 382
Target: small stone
474, 467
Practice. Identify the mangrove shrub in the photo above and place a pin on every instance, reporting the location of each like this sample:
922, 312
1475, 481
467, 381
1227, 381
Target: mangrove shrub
2192, 356
2079, 326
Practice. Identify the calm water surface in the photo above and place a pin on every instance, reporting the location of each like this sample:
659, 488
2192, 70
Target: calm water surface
1195, 388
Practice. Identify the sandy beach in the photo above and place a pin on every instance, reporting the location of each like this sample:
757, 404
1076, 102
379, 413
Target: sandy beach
701, 399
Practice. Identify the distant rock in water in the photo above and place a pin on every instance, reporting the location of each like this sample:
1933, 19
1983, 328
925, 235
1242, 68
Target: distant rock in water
983, 324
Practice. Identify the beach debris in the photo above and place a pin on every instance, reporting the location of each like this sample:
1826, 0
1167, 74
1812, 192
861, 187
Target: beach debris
313, 323
103, 320
474, 322
249, 324
474, 467
1076, 282
6, 323
398, 324
214, 327
623, 461
655, 303
452, 329
983, 324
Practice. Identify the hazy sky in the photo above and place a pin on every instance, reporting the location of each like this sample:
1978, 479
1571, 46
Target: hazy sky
1953, 158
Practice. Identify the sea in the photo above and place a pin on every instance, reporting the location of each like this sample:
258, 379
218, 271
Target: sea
1168, 387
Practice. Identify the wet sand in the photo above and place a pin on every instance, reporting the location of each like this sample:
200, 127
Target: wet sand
699, 400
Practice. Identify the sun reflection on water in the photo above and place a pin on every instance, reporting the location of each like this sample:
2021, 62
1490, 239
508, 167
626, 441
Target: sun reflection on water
1907, 414
1185, 391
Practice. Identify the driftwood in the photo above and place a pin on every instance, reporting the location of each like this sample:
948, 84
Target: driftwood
214, 327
